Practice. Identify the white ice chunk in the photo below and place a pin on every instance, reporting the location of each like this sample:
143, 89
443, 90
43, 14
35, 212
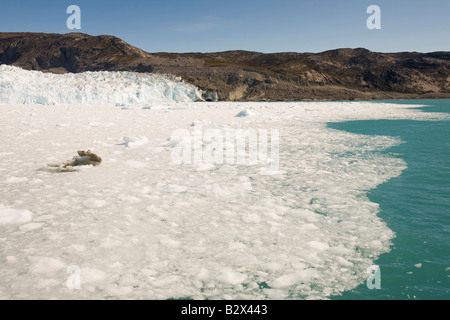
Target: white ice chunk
13, 216
174, 188
16, 179
317, 245
231, 277
92, 203
30, 226
244, 113
89, 275
133, 142
135, 164
46, 265
293, 278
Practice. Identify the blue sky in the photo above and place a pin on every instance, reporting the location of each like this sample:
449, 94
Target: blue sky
257, 25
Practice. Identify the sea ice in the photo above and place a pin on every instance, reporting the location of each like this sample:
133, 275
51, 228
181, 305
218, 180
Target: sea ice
142, 227
243, 113
231, 277
133, 142
13, 216
30, 226
93, 203
45, 265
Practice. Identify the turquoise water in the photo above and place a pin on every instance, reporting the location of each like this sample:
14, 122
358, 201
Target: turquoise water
415, 205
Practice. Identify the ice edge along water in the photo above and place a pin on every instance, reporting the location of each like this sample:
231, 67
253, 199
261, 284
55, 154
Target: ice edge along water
139, 226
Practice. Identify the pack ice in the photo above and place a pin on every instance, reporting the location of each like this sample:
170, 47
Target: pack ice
142, 227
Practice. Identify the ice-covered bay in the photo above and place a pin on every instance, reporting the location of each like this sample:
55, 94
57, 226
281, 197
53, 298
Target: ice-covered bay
139, 226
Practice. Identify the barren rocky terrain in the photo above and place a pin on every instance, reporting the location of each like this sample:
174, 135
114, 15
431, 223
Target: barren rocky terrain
341, 74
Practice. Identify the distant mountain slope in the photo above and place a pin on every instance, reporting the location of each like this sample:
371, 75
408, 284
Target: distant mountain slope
242, 75
75, 52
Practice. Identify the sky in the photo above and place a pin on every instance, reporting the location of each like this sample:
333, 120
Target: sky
255, 25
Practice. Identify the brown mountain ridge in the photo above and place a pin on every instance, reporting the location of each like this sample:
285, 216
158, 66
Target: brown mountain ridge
341, 74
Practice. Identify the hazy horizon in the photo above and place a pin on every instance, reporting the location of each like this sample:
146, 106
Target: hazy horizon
230, 50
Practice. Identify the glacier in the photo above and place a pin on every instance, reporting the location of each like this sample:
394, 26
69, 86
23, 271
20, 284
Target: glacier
18, 86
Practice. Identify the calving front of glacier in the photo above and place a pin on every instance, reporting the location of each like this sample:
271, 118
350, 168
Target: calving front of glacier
18, 86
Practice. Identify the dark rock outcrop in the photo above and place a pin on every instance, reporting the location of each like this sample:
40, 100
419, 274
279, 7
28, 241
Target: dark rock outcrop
342, 74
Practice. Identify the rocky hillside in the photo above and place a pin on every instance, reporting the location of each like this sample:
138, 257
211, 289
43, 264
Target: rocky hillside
342, 74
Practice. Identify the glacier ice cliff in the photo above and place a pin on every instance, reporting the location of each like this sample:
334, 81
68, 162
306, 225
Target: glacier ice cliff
18, 86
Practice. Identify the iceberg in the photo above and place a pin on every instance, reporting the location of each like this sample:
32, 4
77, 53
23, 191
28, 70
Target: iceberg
18, 86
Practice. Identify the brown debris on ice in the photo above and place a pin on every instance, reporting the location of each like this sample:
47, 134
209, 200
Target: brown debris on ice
84, 158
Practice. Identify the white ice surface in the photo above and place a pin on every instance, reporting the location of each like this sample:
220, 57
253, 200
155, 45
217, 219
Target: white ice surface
140, 227
19, 86
14, 216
